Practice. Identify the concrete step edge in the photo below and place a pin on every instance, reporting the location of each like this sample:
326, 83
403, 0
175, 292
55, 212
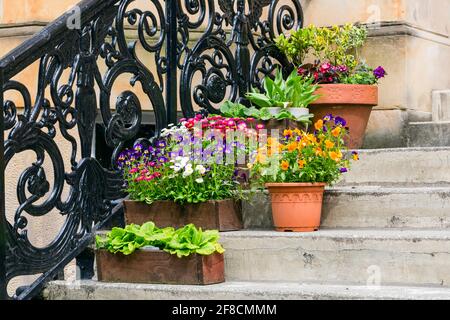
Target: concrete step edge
88, 289
355, 234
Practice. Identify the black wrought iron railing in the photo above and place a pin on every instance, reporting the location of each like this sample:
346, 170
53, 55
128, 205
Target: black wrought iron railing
183, 55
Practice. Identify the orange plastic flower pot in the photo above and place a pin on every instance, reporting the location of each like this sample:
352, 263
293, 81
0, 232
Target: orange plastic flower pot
296, 207
353, 102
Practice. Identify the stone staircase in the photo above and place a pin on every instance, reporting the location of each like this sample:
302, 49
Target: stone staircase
385, 235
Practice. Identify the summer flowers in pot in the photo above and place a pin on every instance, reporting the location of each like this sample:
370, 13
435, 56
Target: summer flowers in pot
188, 176
296, 169
347, 84
284, 101
149, 254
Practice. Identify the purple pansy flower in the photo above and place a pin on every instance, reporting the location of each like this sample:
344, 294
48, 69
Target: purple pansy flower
340, 121
379, 72
161, 144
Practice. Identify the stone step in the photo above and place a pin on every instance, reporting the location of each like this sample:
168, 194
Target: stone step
428, 134
392, 257
93, 290
400, 167
367, 207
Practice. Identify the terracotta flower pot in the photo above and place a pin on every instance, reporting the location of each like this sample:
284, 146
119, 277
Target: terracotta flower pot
296, 206
352, 102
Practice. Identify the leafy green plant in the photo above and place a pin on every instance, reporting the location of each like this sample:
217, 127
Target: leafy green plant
338, 44
237, 110
294, 92
132, 237
362, 75
189, 240
182, 242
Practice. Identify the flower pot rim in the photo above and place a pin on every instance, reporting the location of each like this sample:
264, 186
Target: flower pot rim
342, 94
346, 84
295, 184
212, 200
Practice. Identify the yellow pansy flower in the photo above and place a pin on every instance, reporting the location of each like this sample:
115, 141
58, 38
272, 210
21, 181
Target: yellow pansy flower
287, 133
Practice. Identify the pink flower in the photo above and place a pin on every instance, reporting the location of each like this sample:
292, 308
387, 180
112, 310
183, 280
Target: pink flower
189, 124
231, 123
259, 126
325, 67
134, 170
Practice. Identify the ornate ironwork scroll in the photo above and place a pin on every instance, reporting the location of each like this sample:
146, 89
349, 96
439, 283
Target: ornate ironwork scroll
235, 52
232, 49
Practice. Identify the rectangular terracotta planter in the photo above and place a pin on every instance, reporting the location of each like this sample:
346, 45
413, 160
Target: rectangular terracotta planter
159, 267
223, 215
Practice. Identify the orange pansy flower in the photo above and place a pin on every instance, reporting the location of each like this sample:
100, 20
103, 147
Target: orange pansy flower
284, 165
292, 146
336, 156
336, 131
329, 144
319, 151
319, 125
301, 163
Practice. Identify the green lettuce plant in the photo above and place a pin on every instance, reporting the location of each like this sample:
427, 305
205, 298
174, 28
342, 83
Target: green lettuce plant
182, 242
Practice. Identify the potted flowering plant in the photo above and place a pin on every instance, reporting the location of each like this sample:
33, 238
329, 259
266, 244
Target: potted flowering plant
283, 102
347, 85
296, 169
148, 254
188, 176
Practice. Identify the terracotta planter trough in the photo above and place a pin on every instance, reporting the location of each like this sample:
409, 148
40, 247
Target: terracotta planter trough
159, 267
223, 215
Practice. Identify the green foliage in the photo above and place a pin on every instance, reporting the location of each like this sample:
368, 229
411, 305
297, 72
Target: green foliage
295, 92
189, 240
362, 75
237, 110
338, 44
198, 187
182, 242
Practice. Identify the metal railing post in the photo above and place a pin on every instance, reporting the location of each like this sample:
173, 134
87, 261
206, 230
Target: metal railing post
171, 53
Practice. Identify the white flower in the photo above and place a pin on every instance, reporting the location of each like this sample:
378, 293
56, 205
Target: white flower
201, 169
199, 180
188, 170
176, 168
